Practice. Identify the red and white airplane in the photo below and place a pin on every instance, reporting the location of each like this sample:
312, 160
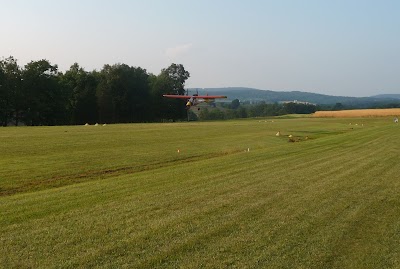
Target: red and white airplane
195, 99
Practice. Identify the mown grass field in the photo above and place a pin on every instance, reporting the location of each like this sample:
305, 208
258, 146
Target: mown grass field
235, 196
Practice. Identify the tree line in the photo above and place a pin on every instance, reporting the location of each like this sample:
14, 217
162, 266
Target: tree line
237, 110
39, 94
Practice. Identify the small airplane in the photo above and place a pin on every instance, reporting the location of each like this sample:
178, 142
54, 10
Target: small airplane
195, 99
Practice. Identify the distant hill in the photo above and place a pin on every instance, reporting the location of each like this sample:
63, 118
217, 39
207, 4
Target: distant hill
385, 96
256, 95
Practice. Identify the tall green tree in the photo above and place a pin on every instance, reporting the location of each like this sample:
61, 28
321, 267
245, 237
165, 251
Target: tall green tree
293, 108
123, 94
80, 87
11, 97
171, 80
45, 98
139, 95
163, 108
3, 98
235, 104
178, 76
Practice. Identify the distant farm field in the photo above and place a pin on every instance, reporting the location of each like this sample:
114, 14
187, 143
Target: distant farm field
227, 194
358, 113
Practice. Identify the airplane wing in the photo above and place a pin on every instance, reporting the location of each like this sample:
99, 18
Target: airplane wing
194, 96
176, 96
210, 96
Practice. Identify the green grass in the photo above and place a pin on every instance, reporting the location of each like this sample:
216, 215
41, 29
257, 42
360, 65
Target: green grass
121, 196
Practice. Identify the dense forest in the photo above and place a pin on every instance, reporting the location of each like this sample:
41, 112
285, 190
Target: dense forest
39, 94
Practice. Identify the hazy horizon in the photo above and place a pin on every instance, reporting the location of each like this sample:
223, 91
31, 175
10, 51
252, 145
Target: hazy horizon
341, 48
233, 88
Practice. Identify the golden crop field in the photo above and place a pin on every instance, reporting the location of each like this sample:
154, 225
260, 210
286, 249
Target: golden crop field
358, 113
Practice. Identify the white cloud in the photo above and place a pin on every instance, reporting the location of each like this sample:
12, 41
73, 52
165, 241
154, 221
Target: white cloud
175, 52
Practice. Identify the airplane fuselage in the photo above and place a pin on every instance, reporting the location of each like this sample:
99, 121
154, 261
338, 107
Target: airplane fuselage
194, 100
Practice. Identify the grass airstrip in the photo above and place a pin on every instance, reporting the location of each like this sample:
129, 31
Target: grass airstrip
227, 194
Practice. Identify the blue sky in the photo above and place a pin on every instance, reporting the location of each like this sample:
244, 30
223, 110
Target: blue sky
337, 47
